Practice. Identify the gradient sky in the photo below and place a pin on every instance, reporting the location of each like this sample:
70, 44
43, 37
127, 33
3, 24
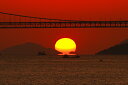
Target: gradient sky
88, 41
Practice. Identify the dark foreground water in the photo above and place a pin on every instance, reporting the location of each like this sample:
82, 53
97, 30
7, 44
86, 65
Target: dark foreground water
54, 70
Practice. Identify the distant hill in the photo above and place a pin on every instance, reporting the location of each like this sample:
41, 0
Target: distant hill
120, 49
28, 49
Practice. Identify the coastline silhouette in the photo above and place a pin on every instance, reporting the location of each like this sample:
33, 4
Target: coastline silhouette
28, 49
119, 49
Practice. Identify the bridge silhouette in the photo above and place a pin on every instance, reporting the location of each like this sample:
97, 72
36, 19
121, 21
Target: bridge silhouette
8, 20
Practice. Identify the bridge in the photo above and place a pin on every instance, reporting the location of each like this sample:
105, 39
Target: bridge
8, 20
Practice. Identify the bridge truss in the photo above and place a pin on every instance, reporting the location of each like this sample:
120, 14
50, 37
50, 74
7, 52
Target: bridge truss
8, 20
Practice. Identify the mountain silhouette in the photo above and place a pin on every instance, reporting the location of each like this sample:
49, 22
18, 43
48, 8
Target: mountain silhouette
28, 49
120, 49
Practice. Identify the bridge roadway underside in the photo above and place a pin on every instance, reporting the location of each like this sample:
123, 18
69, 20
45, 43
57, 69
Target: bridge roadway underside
80, 24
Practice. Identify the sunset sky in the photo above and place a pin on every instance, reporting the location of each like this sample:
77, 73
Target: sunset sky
89, 41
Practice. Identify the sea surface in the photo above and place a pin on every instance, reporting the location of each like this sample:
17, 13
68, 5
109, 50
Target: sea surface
56, 70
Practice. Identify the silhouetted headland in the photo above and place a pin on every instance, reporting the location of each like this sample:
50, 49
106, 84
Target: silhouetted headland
28, 49
120, 49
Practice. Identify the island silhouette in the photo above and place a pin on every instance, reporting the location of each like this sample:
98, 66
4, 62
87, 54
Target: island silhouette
119, 49
33, 49
28, 49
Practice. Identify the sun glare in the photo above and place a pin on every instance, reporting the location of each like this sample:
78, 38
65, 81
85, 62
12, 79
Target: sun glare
65, 46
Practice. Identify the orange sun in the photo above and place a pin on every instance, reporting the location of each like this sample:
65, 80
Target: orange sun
65, 46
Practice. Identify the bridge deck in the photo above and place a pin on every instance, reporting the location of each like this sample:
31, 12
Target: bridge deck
80, 24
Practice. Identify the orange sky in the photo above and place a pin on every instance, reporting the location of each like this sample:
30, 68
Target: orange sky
88, 41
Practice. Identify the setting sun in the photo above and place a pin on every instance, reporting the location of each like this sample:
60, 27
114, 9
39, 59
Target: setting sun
65, 46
